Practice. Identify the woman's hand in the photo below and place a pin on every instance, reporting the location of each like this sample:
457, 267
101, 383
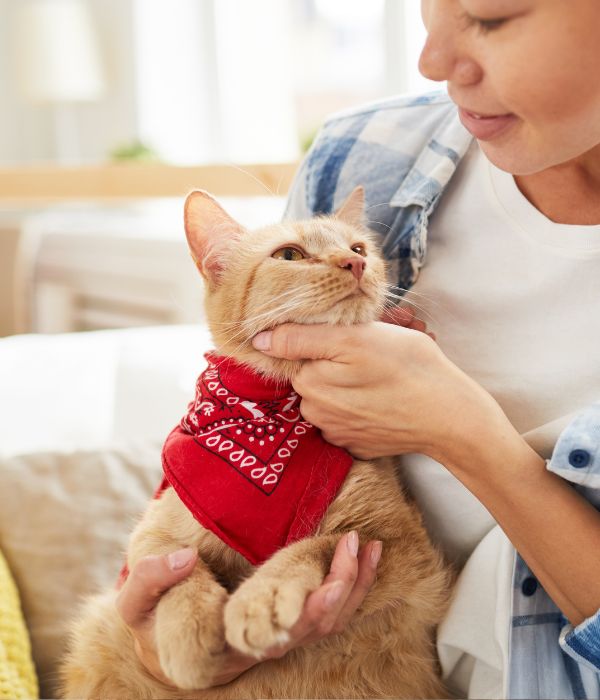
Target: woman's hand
326, 610
380, 389
405, 317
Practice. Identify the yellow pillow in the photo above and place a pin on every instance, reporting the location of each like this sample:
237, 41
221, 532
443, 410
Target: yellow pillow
17, 674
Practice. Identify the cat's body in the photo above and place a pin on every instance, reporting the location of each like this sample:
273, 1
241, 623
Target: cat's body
387, 649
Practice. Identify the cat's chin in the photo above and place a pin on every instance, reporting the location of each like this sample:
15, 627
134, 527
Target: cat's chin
344, 313
341, 314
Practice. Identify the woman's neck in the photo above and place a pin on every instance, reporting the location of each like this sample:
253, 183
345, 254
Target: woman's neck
568, 193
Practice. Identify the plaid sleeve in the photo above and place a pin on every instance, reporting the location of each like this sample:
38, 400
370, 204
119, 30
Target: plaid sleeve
301, 198
582, 643
297, 205
317, 177
576, 458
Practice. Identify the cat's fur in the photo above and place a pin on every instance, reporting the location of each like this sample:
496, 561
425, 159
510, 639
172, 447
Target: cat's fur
387, 649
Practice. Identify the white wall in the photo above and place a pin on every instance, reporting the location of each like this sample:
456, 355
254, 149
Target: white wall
22, 134
26, 131
114, 120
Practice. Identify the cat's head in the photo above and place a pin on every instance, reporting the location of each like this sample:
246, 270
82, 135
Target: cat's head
324, 270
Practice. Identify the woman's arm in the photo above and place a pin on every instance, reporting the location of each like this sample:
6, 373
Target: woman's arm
380, 390
556, 531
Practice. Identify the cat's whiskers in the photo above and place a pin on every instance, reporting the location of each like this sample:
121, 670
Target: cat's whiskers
381, 204
252, 325
248, 328
381, 223
393, 298
296, 293
249, 331
253, 177
255, 324
296, 290
258, 322
429, 299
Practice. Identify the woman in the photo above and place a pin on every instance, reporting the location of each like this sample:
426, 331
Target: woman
507, 206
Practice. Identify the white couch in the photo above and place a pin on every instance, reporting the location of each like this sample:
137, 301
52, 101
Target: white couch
82, 420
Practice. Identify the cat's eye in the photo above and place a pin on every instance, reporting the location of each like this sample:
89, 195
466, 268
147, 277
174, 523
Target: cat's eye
288, 253
360, 249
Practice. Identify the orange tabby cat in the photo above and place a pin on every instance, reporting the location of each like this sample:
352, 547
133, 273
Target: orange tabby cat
326, 270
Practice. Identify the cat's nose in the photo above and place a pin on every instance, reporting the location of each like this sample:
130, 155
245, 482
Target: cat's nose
357, 265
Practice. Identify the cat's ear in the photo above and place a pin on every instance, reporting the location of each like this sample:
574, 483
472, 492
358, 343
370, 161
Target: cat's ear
352, 210
210, 233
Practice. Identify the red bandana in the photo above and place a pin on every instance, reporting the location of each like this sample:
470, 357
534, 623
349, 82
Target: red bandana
247, 465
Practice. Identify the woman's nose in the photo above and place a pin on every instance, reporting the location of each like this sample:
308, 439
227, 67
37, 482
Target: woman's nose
446, 55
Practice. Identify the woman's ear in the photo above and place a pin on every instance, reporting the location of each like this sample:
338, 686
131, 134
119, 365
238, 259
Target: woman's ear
210, 233
352, 210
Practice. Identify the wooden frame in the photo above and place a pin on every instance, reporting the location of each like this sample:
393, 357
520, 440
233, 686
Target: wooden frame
48, 183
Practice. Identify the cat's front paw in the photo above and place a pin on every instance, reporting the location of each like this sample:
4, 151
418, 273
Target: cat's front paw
261, 612
190, 646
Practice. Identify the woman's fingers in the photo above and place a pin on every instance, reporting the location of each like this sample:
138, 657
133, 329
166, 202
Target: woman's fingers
368, 559
398, 316
401, 316
331, 606
329, 600
148, 580
139, 596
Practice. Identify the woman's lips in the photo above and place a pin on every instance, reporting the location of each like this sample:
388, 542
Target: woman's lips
485, 127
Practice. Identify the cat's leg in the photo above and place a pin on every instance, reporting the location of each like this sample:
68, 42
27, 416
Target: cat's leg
189, 629
266, 606
101, 661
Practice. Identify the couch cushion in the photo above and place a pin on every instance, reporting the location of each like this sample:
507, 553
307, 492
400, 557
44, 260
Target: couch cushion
86, 391
64, 523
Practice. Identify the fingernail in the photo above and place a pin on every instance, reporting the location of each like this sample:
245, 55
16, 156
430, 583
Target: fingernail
262, 341
180, 558
376, 553
333, 594
352, 543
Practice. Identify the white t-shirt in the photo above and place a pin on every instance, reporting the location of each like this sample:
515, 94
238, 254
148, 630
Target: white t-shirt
514, 300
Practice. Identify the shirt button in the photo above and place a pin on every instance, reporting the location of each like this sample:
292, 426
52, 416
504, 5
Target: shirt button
529, 586
579, 458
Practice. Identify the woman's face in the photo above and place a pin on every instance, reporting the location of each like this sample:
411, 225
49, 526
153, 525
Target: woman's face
524, 73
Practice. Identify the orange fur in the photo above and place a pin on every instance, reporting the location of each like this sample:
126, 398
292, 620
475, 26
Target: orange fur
387, 650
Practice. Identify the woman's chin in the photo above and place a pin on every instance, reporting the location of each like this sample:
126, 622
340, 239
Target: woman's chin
516, 159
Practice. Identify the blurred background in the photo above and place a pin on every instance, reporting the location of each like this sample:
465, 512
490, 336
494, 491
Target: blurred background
110, 112
193, 81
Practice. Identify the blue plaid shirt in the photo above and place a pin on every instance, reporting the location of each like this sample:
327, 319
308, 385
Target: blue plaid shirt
404, 152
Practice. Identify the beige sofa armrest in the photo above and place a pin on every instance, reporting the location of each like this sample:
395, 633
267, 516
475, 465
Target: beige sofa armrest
15, 271
65, 519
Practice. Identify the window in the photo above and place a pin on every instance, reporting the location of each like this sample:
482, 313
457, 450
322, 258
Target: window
204, 81
252, 81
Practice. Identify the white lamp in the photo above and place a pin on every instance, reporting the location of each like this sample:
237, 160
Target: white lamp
59, 62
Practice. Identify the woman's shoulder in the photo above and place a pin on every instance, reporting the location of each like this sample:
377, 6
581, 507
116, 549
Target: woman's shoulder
378, 146
406, 106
